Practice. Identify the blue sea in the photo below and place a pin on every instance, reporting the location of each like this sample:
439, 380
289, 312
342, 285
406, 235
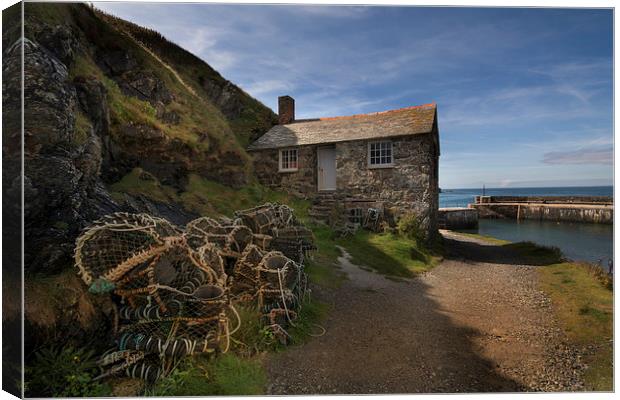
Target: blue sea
578, 241
462, 197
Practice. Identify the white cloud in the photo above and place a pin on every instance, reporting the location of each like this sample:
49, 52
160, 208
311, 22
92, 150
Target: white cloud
601, 155
272, 87
333, 11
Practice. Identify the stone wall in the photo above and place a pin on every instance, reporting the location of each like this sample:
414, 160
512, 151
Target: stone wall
598, 214
411, 185
457, 218
547, 199
301, 183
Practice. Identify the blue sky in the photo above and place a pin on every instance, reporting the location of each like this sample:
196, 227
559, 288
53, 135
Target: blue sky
524, 95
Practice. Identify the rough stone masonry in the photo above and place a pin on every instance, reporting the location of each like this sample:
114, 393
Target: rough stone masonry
407, 182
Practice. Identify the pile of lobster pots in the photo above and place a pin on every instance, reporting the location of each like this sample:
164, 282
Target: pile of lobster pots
175, 289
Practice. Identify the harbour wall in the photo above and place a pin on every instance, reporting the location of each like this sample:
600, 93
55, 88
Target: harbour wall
457, 218
598, 210
587, 200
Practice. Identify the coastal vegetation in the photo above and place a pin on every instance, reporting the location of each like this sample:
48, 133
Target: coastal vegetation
391, 254
485, 238
583, 303
227, 374
534, 254
203, 196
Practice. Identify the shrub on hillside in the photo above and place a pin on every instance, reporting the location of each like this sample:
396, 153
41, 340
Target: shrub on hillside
409, 226
63, 372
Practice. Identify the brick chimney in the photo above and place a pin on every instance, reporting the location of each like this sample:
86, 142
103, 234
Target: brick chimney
286, 110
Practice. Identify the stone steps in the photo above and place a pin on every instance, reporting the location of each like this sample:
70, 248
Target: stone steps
322, 205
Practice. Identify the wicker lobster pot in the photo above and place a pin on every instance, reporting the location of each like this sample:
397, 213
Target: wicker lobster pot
278, 271
116, 244
259, 219
164, 277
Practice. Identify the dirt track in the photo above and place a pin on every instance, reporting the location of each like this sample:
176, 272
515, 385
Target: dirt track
466, 326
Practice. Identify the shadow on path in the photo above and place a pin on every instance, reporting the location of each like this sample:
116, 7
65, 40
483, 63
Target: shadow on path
386, 337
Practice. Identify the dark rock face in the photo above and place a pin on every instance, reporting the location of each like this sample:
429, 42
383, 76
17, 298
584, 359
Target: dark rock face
63, 189
61, 41
132, 79
92, 97
11, 103
170, 117
226, 97
145, 86
61, 178
51, 99
75, 143
60, 309
116, 62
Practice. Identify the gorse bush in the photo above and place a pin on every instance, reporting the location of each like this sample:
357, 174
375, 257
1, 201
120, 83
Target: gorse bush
63, 372
409, 227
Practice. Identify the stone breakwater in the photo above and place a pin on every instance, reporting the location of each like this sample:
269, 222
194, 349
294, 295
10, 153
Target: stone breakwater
457, 218
594, 209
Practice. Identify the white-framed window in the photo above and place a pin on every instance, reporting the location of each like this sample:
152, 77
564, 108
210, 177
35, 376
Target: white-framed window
380, 154
288, 160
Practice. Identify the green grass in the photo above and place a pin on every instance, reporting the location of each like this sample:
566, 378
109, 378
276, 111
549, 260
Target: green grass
63, 371
202, 126
488, 239
535, 254
252, 337
205, 197
584, 307
530, 253
82, 128
139, 182
223, 375
307, 325
322, 267
253, 116
390, 254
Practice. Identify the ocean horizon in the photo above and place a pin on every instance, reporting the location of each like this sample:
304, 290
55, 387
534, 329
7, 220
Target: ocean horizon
464, 196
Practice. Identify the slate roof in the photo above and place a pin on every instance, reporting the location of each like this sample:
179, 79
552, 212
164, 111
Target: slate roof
405, 121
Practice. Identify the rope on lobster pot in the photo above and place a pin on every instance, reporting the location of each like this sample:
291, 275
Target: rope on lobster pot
227, 334
129, 357
144, 371
323, 331
283, 299
232, 308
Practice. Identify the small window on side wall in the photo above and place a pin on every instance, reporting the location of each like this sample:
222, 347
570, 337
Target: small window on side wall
288, 160
380, 154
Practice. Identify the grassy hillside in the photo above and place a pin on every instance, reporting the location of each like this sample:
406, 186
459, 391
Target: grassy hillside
202, 196
248, 118
186, 134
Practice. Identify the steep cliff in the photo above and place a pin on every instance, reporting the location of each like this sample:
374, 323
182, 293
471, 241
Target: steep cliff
116, 119
106, 99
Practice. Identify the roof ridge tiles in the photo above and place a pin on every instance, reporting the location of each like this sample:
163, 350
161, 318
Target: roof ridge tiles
405, 121
428, 105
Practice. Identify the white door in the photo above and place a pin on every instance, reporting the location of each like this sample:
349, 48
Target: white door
327, 168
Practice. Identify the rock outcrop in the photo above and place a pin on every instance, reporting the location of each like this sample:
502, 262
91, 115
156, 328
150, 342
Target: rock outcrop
97, 105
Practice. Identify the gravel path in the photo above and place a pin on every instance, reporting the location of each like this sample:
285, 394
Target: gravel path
465, 326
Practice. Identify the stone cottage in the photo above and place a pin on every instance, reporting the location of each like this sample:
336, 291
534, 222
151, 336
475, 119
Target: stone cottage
387, 161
